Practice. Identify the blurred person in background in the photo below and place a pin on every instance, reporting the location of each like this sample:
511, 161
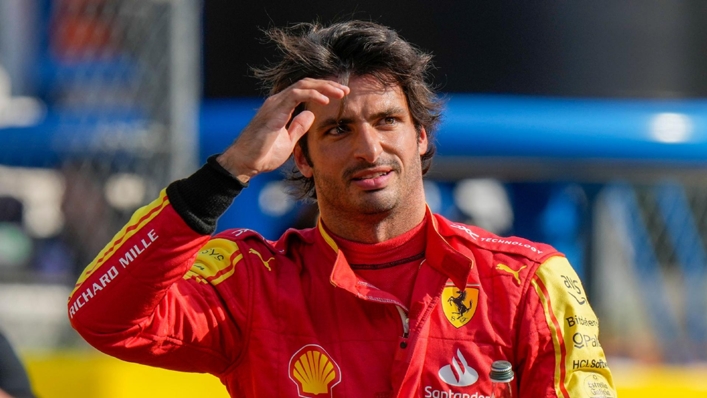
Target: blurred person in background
14, 382
15, 243
65, 254
381, 298
83, 204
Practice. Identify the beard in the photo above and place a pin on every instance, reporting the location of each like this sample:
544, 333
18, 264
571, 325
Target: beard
337, 193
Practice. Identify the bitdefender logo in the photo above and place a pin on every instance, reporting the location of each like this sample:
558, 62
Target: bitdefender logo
458, 374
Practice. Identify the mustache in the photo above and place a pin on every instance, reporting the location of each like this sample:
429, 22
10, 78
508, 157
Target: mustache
363, 165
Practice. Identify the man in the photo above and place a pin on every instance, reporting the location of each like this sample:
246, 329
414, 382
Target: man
381, 298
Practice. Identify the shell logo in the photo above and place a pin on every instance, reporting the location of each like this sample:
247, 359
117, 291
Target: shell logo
314, 372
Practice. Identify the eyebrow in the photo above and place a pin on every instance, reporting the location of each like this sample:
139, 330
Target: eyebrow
333, 121
394, 110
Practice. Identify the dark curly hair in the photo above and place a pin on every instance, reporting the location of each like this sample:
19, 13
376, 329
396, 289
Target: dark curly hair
352, 48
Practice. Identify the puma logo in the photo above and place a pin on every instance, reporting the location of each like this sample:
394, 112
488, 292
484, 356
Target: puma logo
265, 263
505, 268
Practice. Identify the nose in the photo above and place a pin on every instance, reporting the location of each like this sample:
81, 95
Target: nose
367, 145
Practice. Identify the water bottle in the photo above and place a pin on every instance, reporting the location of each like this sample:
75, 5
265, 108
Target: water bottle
501, 377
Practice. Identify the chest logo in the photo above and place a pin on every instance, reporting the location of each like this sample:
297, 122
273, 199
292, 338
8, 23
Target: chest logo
458, 373
314, 372
459, 305
265, 263
516, 274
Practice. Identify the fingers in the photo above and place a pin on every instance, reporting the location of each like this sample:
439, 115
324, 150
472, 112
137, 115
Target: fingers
329, 88
300, 125
277, 109
268, 140
306, 90
317, 90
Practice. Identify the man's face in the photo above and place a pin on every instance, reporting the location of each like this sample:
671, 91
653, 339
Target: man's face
365, 151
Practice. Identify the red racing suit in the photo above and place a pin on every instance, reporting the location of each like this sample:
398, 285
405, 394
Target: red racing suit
291, 319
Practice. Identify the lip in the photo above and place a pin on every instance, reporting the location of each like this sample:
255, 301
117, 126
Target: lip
372, 179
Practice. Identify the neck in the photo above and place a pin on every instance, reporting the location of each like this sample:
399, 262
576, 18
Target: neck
374, 228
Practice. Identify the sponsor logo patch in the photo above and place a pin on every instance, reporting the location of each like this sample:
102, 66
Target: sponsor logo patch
314, 372
515, 273
459, 306
596, 386
266, 264
458, 373
473, 235
574, 288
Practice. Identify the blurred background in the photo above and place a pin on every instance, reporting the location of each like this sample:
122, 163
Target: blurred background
579, 124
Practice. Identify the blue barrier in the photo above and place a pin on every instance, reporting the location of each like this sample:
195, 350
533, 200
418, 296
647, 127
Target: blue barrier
473, 126
564, 128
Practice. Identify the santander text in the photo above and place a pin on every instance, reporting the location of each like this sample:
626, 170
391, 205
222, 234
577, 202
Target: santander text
432, 393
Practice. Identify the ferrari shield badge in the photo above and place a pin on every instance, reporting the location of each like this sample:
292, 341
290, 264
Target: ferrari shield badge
459, 305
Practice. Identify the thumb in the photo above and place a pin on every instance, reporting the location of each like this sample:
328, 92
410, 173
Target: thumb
300, 125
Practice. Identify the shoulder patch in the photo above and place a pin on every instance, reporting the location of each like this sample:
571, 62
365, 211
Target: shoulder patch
240, 234
534, 251
215, 262
516, 245
253, 238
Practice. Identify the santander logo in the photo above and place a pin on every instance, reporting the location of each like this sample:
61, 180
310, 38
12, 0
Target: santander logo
458, 373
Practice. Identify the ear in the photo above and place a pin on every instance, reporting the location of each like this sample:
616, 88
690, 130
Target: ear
422, 142
301, 161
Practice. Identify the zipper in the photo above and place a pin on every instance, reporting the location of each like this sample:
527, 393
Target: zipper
406, 326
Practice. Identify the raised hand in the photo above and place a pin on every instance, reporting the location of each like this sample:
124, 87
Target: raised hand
267, 142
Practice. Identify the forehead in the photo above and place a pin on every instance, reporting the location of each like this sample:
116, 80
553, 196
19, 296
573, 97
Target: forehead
370, 85
368, 94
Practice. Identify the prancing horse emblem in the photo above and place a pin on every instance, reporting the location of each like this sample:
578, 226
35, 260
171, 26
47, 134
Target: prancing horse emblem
265, 263
458, 302
459, 306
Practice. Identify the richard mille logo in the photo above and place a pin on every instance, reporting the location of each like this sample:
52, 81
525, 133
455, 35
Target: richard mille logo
458, 373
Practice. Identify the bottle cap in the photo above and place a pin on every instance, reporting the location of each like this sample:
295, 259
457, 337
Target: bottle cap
501, 371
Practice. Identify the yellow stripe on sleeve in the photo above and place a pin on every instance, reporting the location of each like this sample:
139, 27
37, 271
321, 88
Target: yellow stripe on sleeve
580, 366
556, 334
138, 220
